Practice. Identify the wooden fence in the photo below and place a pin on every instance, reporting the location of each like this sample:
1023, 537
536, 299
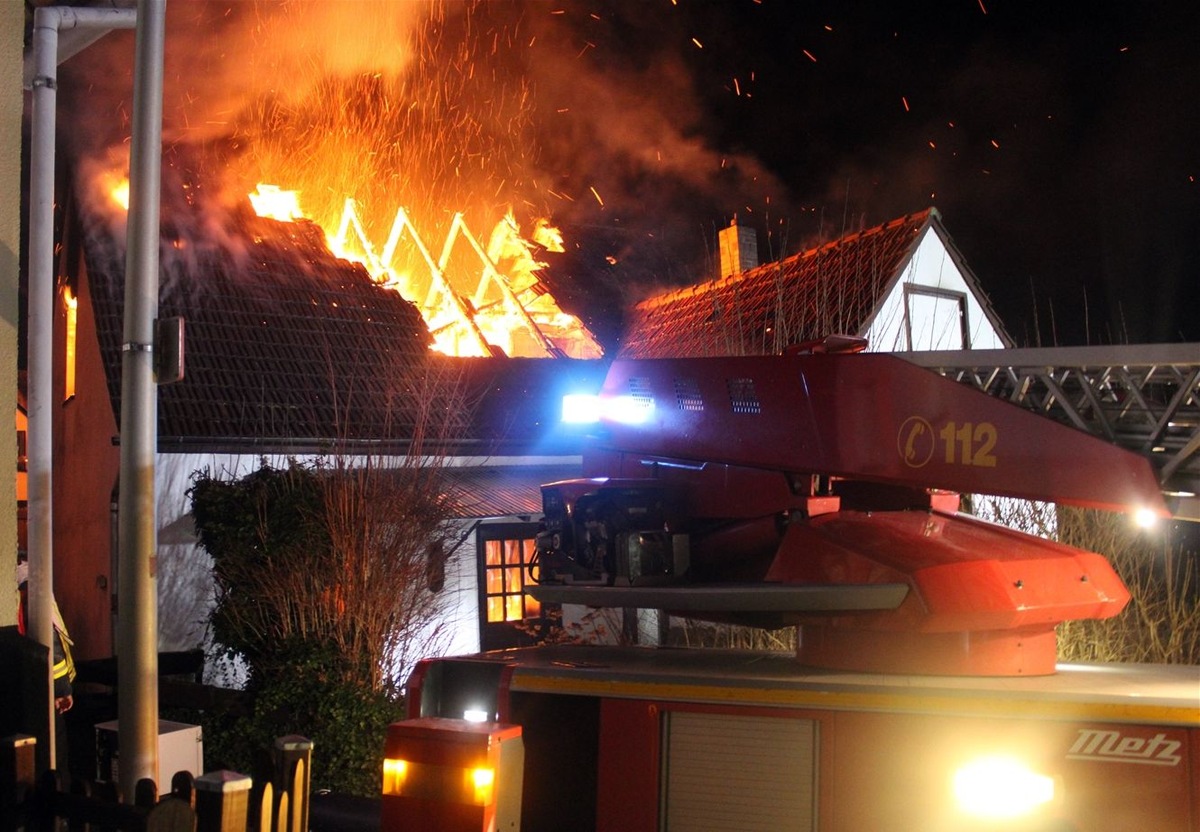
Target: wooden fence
220, 801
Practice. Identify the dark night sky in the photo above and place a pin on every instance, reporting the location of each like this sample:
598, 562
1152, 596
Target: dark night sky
1058, 139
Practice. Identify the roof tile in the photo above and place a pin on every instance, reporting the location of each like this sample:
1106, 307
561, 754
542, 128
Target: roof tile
831, 289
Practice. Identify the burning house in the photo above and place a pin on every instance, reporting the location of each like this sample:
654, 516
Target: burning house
291, 354
316, 319
295, 353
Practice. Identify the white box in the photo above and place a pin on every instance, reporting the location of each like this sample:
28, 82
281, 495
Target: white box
180, 748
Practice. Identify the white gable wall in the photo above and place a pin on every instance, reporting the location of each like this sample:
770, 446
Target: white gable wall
931, 292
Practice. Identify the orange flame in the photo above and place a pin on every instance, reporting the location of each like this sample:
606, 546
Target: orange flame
508, 306
276, 203
120, 193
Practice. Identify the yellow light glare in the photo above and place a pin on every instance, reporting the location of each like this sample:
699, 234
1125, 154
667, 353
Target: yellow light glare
120, 193
1001, 788
483, 778
394, 774
276, 203
1145, 518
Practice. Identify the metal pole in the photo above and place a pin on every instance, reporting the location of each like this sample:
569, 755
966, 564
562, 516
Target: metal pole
43, 82
41, 341
137, 629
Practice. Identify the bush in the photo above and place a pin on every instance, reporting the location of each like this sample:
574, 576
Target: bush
322, 577
346, 721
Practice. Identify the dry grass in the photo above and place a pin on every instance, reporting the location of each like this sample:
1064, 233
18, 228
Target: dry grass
1161, 623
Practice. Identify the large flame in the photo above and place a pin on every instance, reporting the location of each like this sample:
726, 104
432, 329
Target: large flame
420, 109
507, 307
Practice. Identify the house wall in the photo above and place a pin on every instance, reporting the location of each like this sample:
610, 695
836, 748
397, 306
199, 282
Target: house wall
457, 630
86, 464
12, 27
936, 324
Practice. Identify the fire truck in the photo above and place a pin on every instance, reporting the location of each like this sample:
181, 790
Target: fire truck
818, 490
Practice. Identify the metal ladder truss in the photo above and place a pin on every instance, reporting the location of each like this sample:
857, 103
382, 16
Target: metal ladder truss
1142, 397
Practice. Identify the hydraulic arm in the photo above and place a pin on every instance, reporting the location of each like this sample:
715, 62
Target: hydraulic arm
822, 490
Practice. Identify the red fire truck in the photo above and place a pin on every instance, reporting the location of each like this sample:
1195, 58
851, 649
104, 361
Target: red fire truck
818, 491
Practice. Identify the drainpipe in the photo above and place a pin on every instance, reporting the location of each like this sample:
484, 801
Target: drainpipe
137, 599
47, 23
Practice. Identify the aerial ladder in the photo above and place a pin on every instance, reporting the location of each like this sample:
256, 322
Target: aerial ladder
1142, 397
820, 489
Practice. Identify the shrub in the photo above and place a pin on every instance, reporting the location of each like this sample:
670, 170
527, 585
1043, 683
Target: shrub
322, 577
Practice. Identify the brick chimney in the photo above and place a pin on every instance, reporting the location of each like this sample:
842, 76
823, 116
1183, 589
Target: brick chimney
739, 249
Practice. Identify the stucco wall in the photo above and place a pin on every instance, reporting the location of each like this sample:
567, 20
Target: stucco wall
12, 25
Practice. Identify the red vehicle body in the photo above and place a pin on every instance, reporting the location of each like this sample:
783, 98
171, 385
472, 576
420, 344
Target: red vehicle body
822, 491
640, 739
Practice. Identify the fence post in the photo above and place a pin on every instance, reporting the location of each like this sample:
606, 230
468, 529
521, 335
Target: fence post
172, 814
222, 801
145, 793
293, 776
282, 822
81, 789
266, 809
183, 786
17, 779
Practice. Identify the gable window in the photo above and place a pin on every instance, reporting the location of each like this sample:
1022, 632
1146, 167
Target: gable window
505, 553
935, 319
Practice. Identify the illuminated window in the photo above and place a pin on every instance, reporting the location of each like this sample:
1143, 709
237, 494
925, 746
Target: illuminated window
71, 307
505, 564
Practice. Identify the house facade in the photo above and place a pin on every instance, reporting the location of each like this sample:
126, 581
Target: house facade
291, 355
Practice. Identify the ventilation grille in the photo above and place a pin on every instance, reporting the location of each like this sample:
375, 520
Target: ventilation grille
639, 392
687, 393
743, 398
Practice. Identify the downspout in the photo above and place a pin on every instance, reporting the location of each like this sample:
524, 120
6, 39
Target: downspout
137, 599
47, 22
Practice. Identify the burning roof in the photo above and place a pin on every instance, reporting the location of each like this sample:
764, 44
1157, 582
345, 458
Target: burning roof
289, 347
833, 288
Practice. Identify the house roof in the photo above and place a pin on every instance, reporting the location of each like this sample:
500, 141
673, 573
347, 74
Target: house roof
289, 349
502, 491
835, 288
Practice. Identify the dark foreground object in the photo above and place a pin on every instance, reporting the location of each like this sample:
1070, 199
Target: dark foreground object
343, 813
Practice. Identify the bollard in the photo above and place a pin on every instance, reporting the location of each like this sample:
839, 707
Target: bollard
222, 802
450, 775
